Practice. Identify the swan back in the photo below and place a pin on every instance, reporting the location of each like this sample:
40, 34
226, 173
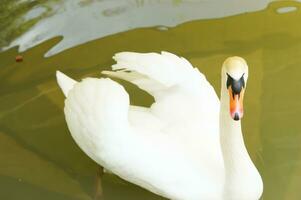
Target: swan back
178, 156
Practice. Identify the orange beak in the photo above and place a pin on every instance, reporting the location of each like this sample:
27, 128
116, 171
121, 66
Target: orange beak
236, 104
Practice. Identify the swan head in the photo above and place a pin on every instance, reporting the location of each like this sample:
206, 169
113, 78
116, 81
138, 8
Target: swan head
234, 80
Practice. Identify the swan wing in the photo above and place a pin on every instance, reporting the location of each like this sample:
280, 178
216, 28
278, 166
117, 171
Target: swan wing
179, 89
186, 106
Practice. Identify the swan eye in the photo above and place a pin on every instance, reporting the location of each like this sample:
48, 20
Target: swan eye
236, 85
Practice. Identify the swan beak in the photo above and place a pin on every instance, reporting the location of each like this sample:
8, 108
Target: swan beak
236, 104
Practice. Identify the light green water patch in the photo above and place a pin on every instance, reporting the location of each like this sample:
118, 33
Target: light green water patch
31, 104
13, 20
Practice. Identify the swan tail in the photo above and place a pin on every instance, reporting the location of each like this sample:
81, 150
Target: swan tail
155, 72
66, 83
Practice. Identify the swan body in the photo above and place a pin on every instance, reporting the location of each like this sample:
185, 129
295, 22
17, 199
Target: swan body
183, 147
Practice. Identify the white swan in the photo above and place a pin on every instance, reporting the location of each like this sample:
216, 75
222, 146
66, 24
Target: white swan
186, 146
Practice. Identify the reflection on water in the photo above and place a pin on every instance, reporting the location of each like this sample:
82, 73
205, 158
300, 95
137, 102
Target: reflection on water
79, 21
39, 159
18, 16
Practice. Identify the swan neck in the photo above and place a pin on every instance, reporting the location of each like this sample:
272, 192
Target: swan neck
233, 147
239, 169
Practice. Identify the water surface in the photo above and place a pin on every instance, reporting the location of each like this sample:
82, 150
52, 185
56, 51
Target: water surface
40, 160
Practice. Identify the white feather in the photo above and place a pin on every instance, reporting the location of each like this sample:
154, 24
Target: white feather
171, 148
65, 82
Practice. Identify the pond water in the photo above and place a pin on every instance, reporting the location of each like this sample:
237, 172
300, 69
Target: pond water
40, 160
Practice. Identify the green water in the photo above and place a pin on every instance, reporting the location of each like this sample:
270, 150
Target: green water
40, 160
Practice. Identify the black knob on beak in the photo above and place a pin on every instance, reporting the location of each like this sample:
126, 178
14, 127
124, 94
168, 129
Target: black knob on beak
236, 85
